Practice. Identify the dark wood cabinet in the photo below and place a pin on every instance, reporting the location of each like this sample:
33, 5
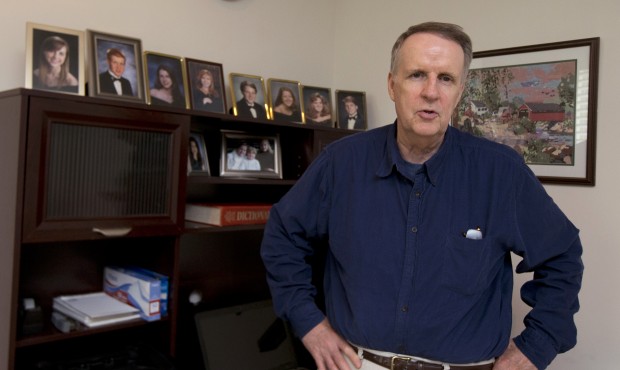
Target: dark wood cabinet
102, 182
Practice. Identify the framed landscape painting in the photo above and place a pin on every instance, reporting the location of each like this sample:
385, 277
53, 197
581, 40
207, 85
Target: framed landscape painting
541, 101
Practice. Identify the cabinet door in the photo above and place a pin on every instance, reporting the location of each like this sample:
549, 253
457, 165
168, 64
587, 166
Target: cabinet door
98, 171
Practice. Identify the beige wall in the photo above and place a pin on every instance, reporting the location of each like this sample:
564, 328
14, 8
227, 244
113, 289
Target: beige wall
345, 44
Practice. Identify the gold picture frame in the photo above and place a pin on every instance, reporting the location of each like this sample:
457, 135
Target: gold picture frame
255, 87
47, 46
285, 103
160, 67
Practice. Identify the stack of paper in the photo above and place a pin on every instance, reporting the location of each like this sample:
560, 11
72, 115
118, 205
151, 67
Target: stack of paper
95, 309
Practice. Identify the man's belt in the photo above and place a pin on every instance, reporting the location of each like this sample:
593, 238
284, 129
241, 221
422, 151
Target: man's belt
407, 363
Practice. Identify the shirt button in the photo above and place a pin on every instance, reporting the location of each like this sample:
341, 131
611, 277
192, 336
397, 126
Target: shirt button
414, 229
418, 194
405, 308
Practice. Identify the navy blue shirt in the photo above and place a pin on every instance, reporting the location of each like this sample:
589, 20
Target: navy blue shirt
400, 275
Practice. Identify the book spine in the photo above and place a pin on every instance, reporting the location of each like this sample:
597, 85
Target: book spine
224, 215
241, 216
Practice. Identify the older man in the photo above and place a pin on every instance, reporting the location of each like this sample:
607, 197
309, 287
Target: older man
419, 221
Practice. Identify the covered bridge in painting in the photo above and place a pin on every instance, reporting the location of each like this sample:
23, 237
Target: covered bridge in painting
548, 112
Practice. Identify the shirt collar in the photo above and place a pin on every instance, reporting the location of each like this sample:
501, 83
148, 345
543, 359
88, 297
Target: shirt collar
392, 157
113, 75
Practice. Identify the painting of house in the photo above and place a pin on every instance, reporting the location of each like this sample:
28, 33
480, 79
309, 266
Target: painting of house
478, 107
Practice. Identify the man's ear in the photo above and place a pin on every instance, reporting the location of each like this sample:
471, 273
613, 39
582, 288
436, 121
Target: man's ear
390, 82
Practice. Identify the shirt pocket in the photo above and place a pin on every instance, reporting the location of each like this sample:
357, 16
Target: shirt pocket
466, 265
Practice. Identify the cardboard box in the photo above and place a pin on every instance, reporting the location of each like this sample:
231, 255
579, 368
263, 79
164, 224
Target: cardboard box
164, 286
139, 290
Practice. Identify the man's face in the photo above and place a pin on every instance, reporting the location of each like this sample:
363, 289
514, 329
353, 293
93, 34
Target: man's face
351, 108
117, 65
249, 94
426, 85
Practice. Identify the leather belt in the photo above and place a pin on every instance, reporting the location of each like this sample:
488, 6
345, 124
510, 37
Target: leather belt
407, 363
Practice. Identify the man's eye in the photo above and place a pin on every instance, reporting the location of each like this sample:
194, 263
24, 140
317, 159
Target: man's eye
446, 78
417, 75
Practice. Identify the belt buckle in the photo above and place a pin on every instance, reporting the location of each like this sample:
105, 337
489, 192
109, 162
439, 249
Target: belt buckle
394, 358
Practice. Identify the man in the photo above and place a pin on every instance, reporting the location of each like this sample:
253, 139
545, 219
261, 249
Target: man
353, 120
419, 220
248, 107
112, 80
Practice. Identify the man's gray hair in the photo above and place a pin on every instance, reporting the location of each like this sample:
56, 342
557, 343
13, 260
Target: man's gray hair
448, 31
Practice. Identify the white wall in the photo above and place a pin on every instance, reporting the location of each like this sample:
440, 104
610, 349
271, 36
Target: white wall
345, 44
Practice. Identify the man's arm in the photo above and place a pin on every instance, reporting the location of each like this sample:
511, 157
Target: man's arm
550, 246
328, 349
513, 359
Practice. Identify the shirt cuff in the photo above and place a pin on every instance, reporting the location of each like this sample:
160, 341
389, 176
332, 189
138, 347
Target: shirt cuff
305, 318
536, 347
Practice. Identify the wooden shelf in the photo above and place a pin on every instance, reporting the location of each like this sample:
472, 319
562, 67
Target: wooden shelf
145, 191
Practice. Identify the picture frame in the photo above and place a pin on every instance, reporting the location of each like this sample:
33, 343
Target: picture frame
234, 160
197, 158
240, 83
540, 100
317, 103
49, 48
351, 103
285, 103
116, 70
170, 70
209, 98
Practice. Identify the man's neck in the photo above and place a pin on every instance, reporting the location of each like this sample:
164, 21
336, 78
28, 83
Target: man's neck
418, 149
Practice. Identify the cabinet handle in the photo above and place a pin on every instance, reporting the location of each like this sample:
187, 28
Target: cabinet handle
121, 231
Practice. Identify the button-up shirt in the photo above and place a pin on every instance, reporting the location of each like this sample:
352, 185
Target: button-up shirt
400, 273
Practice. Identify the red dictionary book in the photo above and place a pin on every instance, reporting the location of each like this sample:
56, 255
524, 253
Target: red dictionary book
227, 214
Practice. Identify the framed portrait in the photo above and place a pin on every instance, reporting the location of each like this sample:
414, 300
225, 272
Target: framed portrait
165, 77
351, 109
246, 155
197, 160
317, 103
248, 96
541, 101
55, 59
115, 67
284, 100
206, 86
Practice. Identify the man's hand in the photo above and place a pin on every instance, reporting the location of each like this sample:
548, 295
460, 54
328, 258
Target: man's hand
328, 348
513, 359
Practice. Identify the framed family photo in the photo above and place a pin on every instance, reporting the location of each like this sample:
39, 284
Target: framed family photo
317, 105
55, 59
197, 160
206, 86
351, 109
541, 101
248, 96
284, 100
165, 79
254, 156
115, 67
